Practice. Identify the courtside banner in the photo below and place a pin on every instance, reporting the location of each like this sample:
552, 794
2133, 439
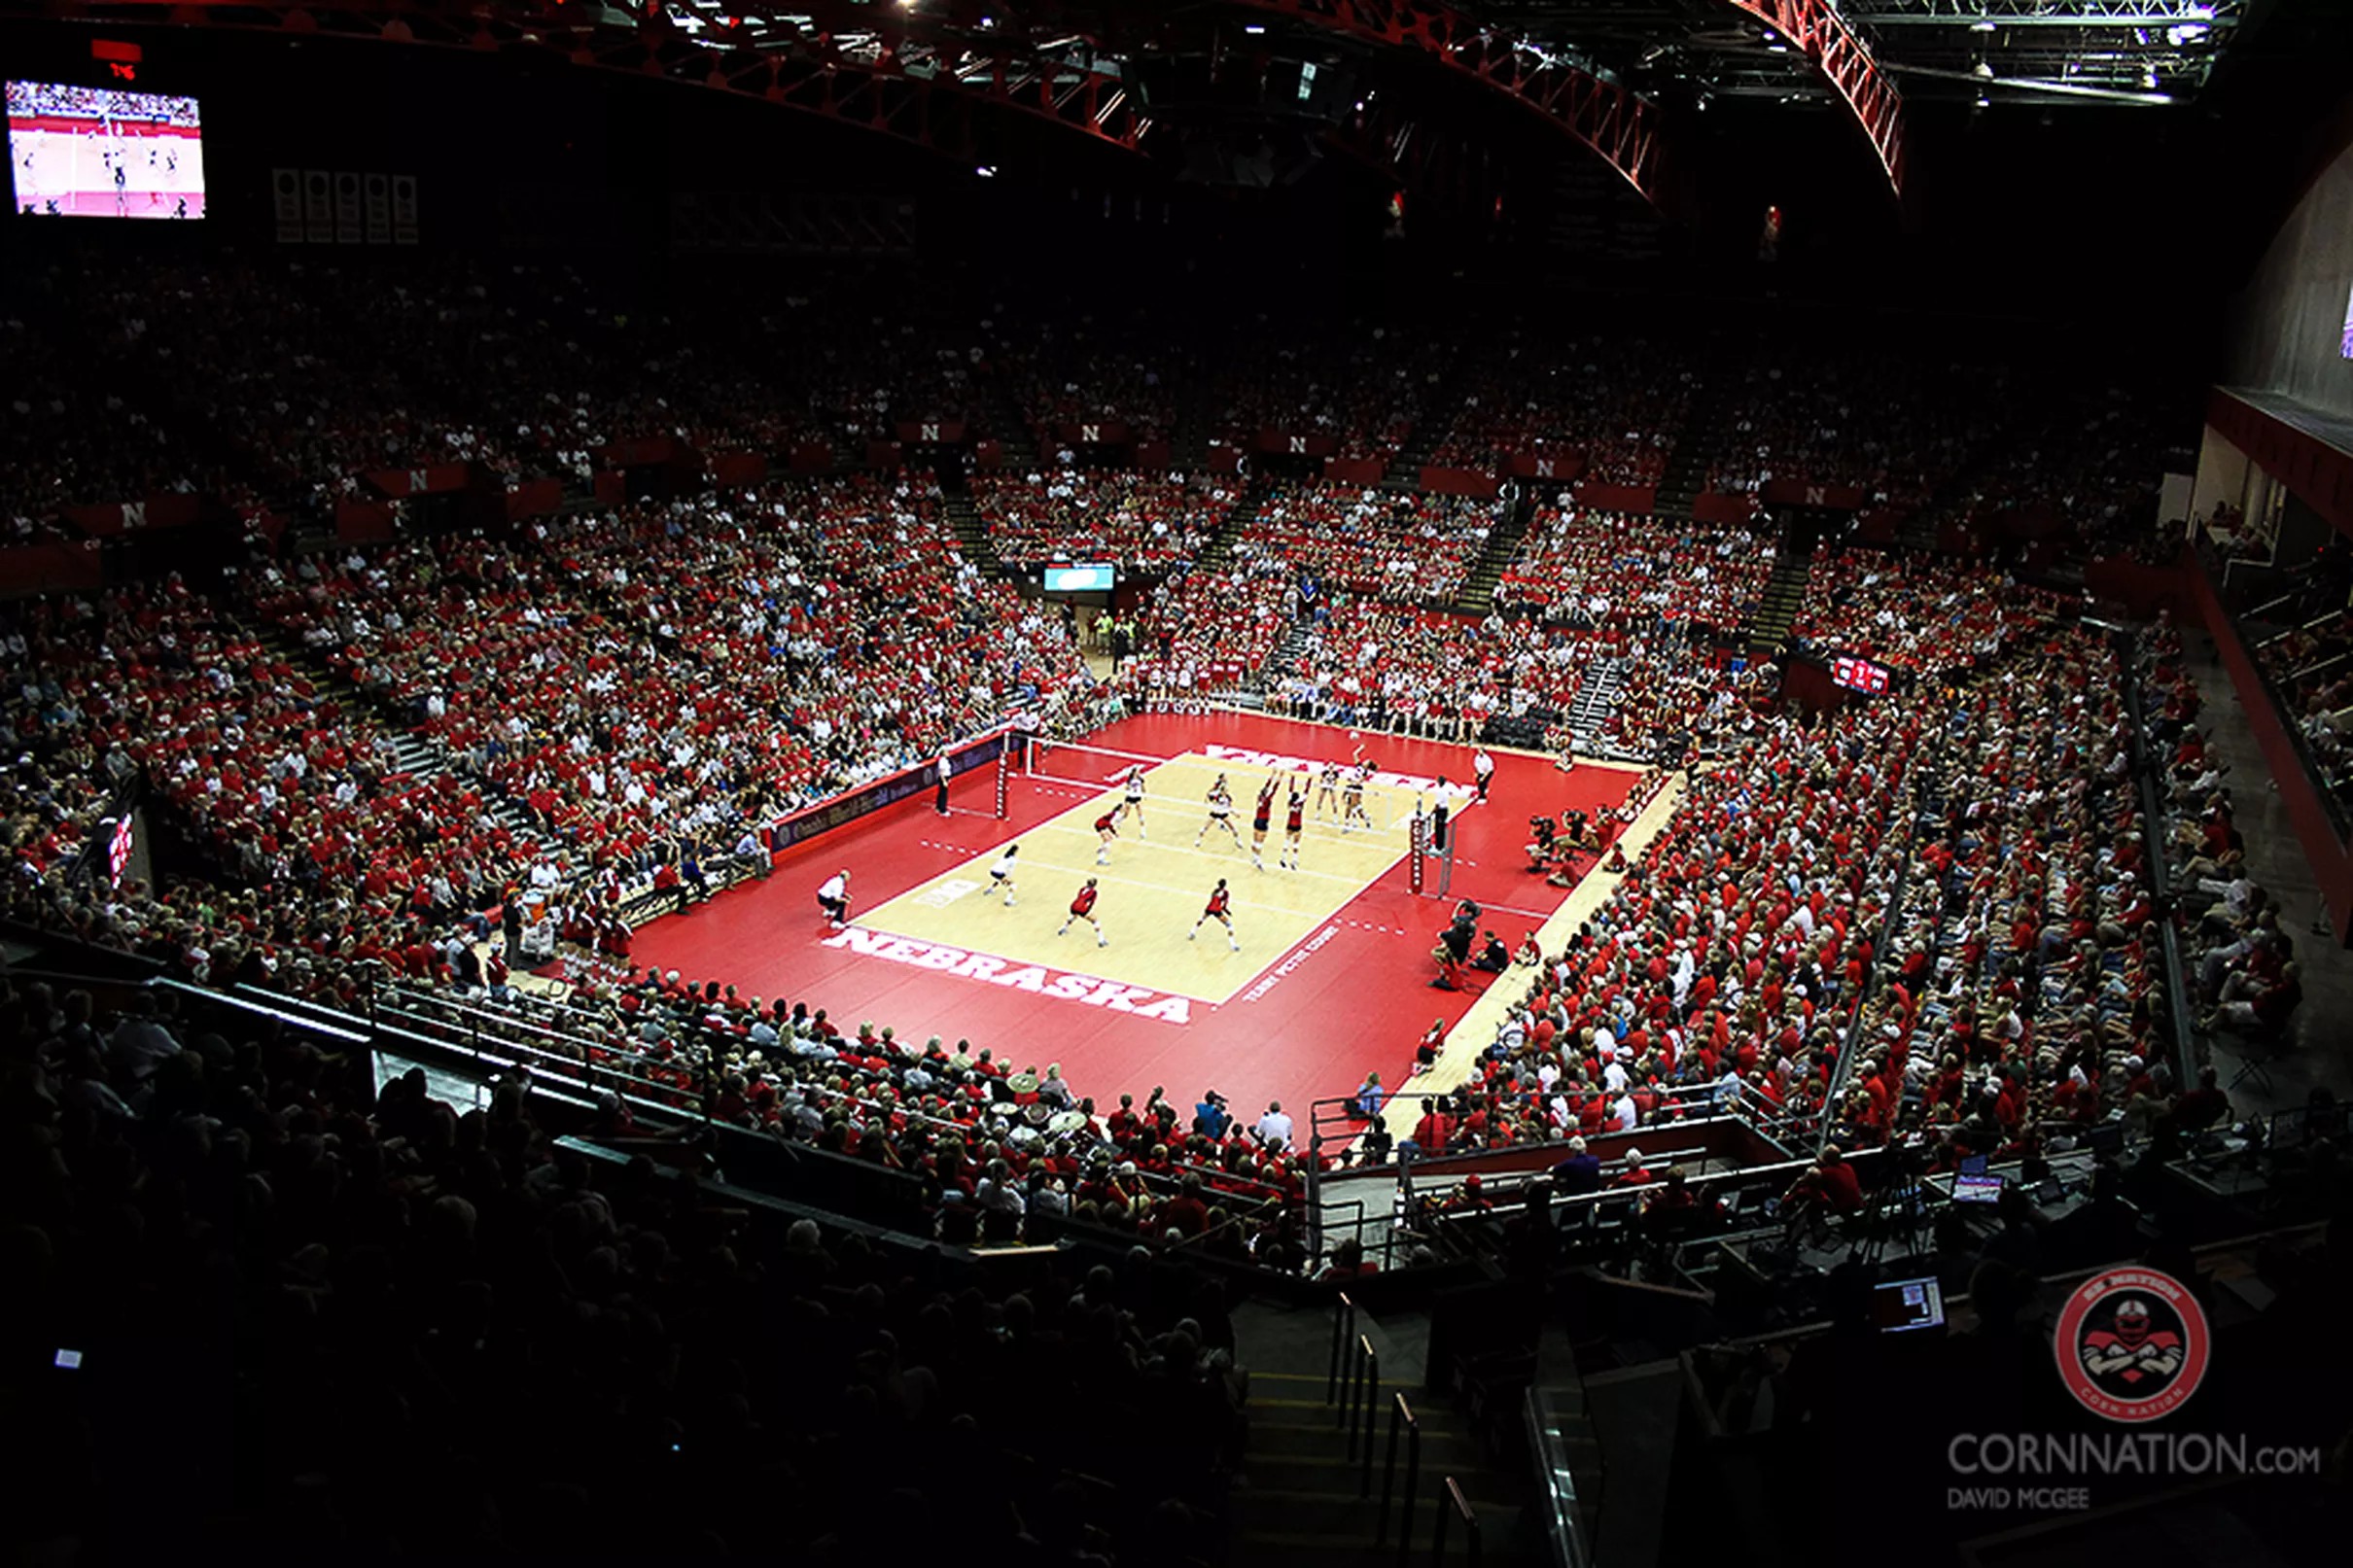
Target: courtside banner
812, 822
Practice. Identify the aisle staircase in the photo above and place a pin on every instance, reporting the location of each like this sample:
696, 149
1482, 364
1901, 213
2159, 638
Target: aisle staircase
1441, 408
1598, 695
1321, 1490
1775, 611
972, 538
1478, 595
407, 751
1019, 446
1706, 425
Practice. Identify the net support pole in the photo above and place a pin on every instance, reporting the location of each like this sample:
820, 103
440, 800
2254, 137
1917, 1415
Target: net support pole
1446, 866
1419, 834
1004, 762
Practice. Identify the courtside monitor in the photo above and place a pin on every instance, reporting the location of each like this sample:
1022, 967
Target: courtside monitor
1902, 1306
1080, 578
1980, 1189
1860, 675
78, 151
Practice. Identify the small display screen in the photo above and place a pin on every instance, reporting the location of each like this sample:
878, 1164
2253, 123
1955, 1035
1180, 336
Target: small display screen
1902, 1306
1080, 578
1859, 675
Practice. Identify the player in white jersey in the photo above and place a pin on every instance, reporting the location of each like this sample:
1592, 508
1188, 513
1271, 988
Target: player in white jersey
1352, 793
1132, 799
1001, 875
1221, 813
1327, 787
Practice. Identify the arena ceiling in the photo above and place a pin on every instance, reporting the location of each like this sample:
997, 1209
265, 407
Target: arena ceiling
1379, 79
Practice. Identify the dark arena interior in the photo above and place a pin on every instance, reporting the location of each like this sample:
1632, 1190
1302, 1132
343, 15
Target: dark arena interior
1151, 783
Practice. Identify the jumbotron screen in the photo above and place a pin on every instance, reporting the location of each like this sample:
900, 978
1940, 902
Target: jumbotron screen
97, 152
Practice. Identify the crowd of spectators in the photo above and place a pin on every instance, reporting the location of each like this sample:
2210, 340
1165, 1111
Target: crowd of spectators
452, 1303
2311, 669
1617, 402
1875, 424
1912, 611
1581, 567
1146, 523
1364, 389
1094, 371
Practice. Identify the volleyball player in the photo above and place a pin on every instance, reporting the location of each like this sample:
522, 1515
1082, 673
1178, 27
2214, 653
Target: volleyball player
1001, 875
1259, 819
1134, 799
1352, 793
1221, 813
1106, 828
1220, 909
1082, 908
1327, 787
1293, 821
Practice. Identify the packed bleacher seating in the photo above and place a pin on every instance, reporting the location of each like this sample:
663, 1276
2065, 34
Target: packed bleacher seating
1409, 549
1093, 372
1618, 403
2311, 669
1591, 568
1365, 389
1148, 524
1914, 612
1878, 425
485, 1285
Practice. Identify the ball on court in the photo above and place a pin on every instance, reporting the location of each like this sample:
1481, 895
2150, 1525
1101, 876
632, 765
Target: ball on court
1352, 734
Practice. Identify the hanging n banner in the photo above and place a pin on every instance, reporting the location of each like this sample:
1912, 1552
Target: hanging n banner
318, 207
348, 208
403, 209
286, 196
377, 191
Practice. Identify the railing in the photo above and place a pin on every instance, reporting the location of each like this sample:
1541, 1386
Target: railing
1455, 1503
1343, 1329
1360, 1387
1401, 1420
2160, 876
1557, 1486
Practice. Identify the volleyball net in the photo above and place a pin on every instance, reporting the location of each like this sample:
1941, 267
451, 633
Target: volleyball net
1179, 787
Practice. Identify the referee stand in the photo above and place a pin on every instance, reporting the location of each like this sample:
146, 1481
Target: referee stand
1432, 839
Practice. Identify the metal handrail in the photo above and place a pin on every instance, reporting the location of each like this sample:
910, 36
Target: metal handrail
1344, 1325
1401, 1419
1470, 1526
1359, 1406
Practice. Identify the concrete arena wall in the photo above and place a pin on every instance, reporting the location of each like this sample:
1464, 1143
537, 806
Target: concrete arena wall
2288, 323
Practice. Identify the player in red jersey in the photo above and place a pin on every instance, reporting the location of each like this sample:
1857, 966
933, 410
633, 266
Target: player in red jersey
1220, 909
1106, 828
1293, 821
1259, 819
1082, 908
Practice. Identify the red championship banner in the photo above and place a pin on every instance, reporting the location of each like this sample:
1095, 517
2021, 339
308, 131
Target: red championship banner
162, 509
931, 432
1095, 432
1223, 458
988, 455
433, 478
611, 489
1294, 444
1805, 493
1355, 470
1545, 463
810, 457
1151, 454
884, 454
